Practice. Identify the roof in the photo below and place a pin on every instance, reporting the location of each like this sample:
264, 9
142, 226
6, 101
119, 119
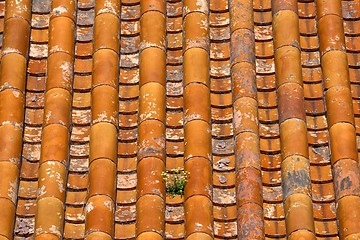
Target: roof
258, 100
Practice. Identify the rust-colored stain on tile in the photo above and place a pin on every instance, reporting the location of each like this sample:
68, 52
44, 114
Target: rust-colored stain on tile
258, 100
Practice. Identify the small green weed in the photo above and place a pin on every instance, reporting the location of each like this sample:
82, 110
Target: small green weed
175, 181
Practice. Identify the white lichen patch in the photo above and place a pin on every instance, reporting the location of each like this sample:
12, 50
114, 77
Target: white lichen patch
109, 7
55, 230
41, 191
192, 116
202, 6
198, 226
16, 94
262, 66
14, 160
270, 211
131, 59
56, 48
38, 50
89, 207
125, 181
66, 70
74, 217
48, 116
109, 205
59, 10
203, 24
12, 190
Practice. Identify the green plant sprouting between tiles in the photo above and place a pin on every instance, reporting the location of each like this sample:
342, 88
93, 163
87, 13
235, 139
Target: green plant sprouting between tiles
175, 181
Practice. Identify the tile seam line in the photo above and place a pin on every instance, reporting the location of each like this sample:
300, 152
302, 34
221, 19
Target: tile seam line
20, 17
151, 231
250, 203
5, 237
253, 63
246, 131
203, 232
207, 49
350, 195
328, 14
102, 85
245, 97
47, 197
164, 49
151, 119
331, 50
196, 82
107, 122
26, 58
99, 49
46, 233
54, 52
294, 118
90, 161
239, 29
194, 12
219, 11
247, 167
296, 193
130, 4
52, 17
205, 158
141, 85
97, 195
112, 13
9, 201
289, 45
344, 122
51, 160
154, 10
225, 25
71, 91
287, 9
141, 159
302, 229
14, 52
86, 234
9, 161
151, 195
197, 119
294, 155
344, 158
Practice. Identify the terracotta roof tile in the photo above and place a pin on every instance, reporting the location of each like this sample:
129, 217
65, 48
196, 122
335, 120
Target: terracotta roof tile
258, 100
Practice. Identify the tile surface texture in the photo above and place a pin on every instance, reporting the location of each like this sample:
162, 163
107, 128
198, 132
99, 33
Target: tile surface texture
259, 100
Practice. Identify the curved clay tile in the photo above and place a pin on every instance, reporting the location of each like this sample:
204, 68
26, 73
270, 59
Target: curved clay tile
151, 143
49, 218
340, 115
104, 123
15, 48
320, 168
248, 172
224, 192
296, 183
125, 216
198, 203
174, 212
